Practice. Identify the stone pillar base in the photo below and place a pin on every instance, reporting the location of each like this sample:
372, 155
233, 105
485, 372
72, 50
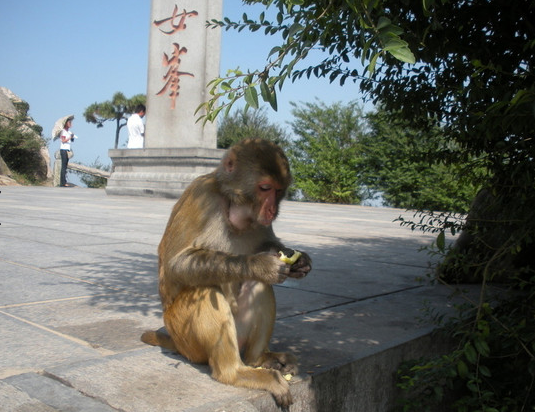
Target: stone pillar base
159, 172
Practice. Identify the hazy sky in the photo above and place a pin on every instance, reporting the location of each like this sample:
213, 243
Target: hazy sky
63, 55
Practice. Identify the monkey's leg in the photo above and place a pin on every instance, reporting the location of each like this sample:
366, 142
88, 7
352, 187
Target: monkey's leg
254, 322
201, 324
185, 322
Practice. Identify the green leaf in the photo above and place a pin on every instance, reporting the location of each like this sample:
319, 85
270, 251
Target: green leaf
274, 50
439, 392
470, 353
441, 241
264, 91
403, 54
251, 97
268, 96
383, 22
462, 369
273, 101
485, 371
294, 28
522, 96
427, 4
248, 79
394, 30
365, 49
471, 385
393, 43
482, 347
373, 61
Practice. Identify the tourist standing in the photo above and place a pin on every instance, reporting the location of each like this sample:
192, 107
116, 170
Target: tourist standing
66, 139
136, 128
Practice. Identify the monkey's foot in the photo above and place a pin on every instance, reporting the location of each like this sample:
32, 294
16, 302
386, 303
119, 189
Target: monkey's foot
288, 376
284, 362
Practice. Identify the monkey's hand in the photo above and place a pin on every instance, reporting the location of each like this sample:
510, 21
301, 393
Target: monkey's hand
270, 269
301, 267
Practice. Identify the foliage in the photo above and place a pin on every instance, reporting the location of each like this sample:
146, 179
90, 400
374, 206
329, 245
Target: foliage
329, 26
21, 151
473, 77
22, 116
324, 154
94, 182
492, 366
117, 109
403, 164
243, 124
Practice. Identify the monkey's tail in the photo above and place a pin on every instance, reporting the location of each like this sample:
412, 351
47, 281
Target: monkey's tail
158, 338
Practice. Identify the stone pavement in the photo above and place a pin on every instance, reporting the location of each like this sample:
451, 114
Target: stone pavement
78, 286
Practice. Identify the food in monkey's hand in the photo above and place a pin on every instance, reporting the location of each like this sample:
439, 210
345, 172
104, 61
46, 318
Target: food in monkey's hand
290, 257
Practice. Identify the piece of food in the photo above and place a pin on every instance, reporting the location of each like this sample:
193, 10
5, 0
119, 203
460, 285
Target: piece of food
290, 259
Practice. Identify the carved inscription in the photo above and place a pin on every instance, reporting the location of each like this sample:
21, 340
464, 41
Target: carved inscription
170, 26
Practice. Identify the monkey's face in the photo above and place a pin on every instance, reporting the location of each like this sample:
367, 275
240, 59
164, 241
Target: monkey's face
253, 178
269, 193
262, 208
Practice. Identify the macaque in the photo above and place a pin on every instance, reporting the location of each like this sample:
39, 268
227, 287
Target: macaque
218, 260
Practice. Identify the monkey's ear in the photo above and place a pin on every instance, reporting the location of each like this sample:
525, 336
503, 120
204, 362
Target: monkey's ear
229, 163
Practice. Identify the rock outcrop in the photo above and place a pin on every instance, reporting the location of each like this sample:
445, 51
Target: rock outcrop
14, 109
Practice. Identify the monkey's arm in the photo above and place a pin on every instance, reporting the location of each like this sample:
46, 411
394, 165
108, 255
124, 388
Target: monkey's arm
203, 267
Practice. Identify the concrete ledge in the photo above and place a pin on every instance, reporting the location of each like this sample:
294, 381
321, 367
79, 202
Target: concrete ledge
150, 381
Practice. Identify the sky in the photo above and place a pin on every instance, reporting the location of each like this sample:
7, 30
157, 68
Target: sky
63, 55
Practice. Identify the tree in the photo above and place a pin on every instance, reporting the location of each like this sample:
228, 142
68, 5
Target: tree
466, 66
401, 163
244, 124
473, 77
325, 152
116, 110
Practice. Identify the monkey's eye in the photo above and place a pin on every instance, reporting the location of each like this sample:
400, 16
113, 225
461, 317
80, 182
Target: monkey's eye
265, 188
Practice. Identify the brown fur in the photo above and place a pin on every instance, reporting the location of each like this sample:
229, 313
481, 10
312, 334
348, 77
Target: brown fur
217, 262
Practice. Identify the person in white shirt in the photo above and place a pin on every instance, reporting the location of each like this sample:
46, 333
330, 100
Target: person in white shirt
136, 128
66, 138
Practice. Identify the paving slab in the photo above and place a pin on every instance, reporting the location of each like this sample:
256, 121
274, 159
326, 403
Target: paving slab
78, 285
13, 399
54, 394
27, 346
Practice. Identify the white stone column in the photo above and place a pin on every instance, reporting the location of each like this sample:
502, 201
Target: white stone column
183, 58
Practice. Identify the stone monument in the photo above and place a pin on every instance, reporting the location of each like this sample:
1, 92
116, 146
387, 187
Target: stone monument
183, 58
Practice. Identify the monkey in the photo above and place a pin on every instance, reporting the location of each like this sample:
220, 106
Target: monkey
217, 262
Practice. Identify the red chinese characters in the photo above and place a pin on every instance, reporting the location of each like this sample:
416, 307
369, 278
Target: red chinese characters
172, 77
169, 26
